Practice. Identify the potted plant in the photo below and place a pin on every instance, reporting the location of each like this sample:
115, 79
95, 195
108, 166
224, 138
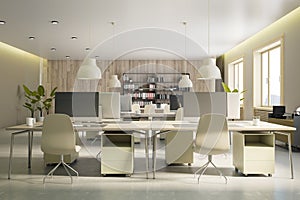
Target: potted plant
30, 103
37, 100
233, 102
45, 102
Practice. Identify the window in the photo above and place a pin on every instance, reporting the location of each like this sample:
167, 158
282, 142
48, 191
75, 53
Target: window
235, 75
270, 76
267, 77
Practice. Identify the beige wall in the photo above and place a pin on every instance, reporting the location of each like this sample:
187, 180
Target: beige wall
17, 68
289, 28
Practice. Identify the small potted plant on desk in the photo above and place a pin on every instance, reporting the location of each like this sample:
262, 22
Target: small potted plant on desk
30, 104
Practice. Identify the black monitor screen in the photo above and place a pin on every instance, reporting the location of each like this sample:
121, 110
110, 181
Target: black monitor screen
77, 104
176, 101
278, 111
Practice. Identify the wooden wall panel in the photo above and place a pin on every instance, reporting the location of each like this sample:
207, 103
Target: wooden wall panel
62, 73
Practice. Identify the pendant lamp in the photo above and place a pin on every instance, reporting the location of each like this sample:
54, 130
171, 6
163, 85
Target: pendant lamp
89, 70
114, 81
185, 81
209, 70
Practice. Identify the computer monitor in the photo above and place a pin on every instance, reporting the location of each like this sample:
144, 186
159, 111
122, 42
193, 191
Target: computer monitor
176, 101
196, 104
78, 104
126, 102
110, 104
278, 111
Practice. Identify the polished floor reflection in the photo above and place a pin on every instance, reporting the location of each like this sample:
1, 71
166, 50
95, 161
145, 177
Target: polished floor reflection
172, 182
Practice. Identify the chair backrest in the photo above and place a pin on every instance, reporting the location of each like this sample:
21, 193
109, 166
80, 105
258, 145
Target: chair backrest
135, 108
58, 135
212, 134
179, 114
167, 108
150, 108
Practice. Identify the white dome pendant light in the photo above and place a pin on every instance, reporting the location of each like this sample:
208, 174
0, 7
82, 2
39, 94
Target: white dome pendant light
185, 81
89, 70
114, 81
209, 70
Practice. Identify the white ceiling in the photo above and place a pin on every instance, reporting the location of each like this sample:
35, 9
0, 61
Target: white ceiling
144, 29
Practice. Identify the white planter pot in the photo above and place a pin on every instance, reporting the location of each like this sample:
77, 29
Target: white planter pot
233, 105
41, 119
30, 121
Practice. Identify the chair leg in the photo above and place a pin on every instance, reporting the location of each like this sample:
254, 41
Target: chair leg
65, 165
220, 172
198, 170
205, 166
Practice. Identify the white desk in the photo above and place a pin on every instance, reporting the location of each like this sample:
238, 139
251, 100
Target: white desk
151, 127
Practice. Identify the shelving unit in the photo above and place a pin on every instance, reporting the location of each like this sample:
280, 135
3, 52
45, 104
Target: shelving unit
117, 155
150, 88
254, 153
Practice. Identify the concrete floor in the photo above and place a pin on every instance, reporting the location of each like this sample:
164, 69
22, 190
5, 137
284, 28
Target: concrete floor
172, 182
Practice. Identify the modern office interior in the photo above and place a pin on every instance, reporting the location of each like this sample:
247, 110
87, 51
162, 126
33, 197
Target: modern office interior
139, 82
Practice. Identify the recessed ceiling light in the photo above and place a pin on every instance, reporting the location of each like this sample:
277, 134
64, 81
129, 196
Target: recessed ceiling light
67, 57
87, 49
2, 22
53, 49
31, 37
54, 22
74, 38
96, 57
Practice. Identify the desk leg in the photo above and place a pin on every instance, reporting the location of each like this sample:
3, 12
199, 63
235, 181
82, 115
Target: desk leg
290, 155
147, 154
154, 154
30, 139
12, 138
12, 141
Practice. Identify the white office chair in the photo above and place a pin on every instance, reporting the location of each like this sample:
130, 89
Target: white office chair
135, 108
58, 138
179, 144
212, 138
150, 108
179, 114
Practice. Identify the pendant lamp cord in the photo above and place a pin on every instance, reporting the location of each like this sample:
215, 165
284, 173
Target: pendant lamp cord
208, 27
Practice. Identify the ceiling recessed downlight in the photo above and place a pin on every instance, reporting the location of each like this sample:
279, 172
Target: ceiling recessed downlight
53, 49
2, 22
31, 37
74, 38
68, 57
54, 22
87, 48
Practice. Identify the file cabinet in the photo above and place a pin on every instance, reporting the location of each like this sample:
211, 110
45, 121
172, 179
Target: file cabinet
117, 155
254, 153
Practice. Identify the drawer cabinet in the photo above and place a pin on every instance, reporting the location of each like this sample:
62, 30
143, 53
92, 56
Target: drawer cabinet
117, 153
254, 153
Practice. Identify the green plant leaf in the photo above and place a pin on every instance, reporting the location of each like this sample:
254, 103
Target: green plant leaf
27, 90
226, 88
235, 90
41, 90
53, 92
